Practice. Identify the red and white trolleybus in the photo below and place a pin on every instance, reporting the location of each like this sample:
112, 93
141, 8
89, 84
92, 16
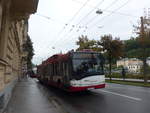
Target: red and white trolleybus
74, 71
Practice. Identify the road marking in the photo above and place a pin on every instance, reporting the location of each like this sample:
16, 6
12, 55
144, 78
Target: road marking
122, 95
133, 88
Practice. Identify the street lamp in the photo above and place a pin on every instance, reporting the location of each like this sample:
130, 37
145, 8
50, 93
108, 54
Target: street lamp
99, 11
53, 47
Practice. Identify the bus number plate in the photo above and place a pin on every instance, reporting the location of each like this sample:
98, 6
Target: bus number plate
90, 88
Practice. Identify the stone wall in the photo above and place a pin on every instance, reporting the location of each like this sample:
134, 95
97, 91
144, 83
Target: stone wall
13, 34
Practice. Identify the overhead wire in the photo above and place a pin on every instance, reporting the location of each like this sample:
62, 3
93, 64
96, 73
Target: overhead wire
68, 21
49, 18
96, 7
41, 15
111, 13
115, 1
74, 16
119, 13
79, 11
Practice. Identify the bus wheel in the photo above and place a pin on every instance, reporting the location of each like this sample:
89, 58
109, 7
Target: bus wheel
59, 83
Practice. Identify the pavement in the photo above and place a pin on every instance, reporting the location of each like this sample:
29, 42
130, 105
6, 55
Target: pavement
28, 97
127, 79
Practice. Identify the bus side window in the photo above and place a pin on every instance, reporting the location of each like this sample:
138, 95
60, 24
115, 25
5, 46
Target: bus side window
51, 70
63, 68
60, 69
46, 70
66, 69
56, 69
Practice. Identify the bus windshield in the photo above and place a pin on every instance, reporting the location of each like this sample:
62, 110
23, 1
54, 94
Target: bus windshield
87, 64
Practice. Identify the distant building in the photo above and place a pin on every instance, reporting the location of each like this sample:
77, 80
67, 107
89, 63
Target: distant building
133, 65
148, 61
126, 61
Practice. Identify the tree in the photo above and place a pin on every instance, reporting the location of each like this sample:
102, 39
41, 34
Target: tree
144, 41
113, 49
130, 48
28, 47
85, 43
132, 43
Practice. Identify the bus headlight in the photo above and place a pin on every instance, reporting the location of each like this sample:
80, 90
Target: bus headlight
73, 82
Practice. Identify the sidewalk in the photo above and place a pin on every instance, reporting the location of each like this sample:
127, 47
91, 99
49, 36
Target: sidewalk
28, 98
132, 80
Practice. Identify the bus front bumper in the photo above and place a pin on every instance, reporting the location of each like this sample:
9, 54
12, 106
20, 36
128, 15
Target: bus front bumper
82, 88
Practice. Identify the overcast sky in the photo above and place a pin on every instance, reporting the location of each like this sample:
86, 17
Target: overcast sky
58, 23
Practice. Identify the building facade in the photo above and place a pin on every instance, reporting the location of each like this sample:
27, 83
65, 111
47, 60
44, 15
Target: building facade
133, 65
14, 16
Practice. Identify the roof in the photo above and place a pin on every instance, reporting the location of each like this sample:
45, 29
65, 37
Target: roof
55, 58
62, 57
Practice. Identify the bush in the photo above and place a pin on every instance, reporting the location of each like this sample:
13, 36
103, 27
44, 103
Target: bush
115, 75
133, 76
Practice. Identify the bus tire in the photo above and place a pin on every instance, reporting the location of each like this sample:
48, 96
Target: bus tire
59, 83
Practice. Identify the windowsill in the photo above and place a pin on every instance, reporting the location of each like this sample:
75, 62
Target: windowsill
3, 62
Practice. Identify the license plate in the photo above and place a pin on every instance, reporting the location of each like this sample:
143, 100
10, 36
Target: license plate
90, 88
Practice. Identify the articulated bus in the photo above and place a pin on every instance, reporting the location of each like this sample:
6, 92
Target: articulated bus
74, 71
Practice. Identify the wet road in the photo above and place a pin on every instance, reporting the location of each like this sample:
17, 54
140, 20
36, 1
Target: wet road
114, 98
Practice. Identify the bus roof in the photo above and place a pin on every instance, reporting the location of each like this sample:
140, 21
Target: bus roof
63, 57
